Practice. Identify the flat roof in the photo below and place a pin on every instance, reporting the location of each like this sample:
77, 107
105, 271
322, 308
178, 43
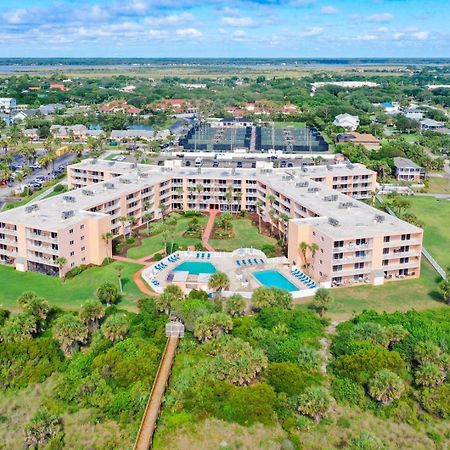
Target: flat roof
352, 216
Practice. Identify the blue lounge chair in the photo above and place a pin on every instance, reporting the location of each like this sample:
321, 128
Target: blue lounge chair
238, 263
243, 262
197, 255
255, 261
209, 255
262, 261
250, 261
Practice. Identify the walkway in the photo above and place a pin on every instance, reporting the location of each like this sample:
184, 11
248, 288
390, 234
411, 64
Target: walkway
208, 230
151, 413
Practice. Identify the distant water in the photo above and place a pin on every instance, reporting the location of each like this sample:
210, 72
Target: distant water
140, 127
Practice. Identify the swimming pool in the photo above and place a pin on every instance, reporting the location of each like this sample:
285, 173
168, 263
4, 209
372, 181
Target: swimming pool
196, 267
273, 278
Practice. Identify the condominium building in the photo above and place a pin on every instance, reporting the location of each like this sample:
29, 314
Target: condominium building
317, 204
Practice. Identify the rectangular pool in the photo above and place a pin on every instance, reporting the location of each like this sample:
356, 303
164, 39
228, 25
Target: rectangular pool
195, 267
273, 278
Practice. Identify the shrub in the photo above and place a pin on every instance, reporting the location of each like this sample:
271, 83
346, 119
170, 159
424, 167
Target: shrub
362, 365
76, 271
269, 250
59, 188
348, 392
437, 401
251, 404
315, 402
158, 257
107, 261
289, 378
309, 358
367, 441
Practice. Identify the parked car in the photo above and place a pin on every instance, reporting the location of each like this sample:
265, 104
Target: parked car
215, 164
187, 163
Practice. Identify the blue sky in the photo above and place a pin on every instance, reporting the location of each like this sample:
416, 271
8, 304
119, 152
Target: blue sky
214, 28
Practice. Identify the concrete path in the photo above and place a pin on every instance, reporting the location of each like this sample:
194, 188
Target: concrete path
151, 413
208, 230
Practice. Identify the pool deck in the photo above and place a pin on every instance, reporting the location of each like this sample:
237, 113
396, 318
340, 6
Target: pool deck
241, 276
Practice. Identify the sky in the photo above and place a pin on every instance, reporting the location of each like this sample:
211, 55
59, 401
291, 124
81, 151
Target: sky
216, 28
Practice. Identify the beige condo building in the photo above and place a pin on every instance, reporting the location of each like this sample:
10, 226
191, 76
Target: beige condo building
319, 205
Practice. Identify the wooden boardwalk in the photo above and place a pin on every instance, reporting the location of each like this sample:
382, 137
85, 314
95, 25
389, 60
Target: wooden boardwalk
151, 413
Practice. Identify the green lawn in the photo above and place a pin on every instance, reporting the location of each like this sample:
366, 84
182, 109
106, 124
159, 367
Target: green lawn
403, 295
71, 293
435, 214
246, 235
155, 243
290, 124
439, 185
25, 200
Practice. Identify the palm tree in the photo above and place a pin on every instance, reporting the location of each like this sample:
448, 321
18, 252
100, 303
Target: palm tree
444, 289
322, 300
162, 208
19, 327
211, 326
116, 327
69, 331
259, 205
123, 220
303, 247
172, 293
107, 293
235, 305
315, 402
61, 262
386, 386
37, 306
199, 189
90, 314
119, 268
107, 237
429, 375
219, 281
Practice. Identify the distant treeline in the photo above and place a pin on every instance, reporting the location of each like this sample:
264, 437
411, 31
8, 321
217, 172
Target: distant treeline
220, 61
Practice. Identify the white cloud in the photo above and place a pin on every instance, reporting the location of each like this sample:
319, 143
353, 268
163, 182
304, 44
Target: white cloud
173, 19
301, 3
314, 31
239, 35
421, 35
329, 10
190, 33
16, 16
366, 37
237, 21
383, 17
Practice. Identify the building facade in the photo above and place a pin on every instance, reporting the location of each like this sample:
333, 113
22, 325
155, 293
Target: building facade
317, 204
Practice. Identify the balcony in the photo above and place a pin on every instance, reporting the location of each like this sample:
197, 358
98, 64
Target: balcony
12, 253
42, 260
41, 237
44, 249
9, 231
352, 246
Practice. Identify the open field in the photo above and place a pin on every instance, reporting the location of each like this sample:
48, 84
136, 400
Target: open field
404, 295
155, 243
69, 294
439, 185
435, 214
246, 235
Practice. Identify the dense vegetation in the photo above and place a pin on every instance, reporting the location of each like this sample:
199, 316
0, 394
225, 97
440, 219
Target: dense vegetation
101, 360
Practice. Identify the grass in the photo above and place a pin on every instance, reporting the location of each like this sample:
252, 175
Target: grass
435, 214
290, 124
246, 235
439, 185
155, 243
71, 293
28, 198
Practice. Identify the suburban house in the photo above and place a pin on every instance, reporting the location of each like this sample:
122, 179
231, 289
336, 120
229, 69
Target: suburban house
430, 125
22, 115
32, 134
177, 106
78, 132
59, 87
47, 110
407, 170
7, 104
5, 118
347, 121
124, 135
369, 141
119, 106
413, 113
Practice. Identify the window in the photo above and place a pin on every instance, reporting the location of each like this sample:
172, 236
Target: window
404, 260
72, 253
81, 227
361, 241
71, 242
359, 265
82, 238
83, 259
385, 251
337, 268
338, 244
385, 262
338, 255
387, 239
71, 231
360, 253
83, 249
406, 237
